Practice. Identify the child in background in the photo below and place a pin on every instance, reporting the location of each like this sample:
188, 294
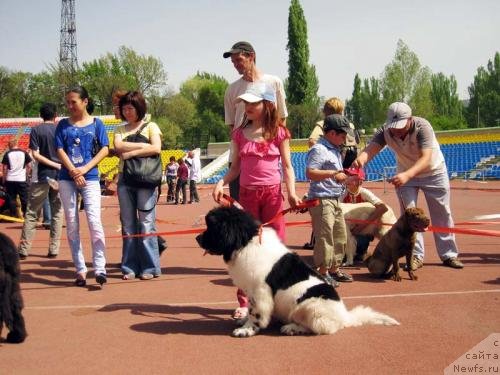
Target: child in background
182, 180
171, 174
261, 142
355, 193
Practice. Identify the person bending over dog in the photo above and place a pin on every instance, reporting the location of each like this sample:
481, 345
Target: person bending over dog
420, 166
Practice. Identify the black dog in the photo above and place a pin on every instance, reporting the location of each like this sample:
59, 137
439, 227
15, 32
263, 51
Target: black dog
11, 301
277, 282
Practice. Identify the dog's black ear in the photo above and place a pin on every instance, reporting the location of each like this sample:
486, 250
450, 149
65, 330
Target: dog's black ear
229, 229
9, 255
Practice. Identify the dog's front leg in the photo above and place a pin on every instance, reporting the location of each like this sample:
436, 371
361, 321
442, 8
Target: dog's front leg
412, 275
260, 312
395, 268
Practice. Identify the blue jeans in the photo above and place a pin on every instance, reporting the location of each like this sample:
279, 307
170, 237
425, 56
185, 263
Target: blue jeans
91, 194
138, 216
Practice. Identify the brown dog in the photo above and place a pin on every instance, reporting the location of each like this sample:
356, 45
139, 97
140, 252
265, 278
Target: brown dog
399, 241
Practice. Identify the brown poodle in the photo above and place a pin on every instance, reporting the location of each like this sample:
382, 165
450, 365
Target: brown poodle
11, 301
399, 241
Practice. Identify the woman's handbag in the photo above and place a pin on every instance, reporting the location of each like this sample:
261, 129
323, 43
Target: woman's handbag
142, 171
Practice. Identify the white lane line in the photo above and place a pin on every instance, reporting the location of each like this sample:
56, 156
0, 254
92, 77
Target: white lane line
232, 302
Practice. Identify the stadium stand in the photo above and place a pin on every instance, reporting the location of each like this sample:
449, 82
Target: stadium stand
471, 153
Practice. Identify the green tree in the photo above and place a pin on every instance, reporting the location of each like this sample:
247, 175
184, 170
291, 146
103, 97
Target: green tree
373, 108
354, 107
484, 103
302, 83
206, 92
399, 77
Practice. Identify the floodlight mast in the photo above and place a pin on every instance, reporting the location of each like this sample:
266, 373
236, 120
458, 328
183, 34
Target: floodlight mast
67, 52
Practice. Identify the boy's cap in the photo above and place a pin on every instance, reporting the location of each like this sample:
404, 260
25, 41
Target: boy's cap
337, 122
257, 93
240, 47
397, 115
358, 172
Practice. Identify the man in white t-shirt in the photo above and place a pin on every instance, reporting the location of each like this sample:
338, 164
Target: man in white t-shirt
243, 58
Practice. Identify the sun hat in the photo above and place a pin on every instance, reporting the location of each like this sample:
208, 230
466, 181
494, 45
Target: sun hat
358, 172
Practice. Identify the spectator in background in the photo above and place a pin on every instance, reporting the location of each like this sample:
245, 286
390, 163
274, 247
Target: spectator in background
194, 163
420, 166
244, 59
44, 186
75, 139
182, 180
171, 175
16, 169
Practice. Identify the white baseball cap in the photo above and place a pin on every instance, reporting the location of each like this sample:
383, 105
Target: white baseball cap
397, 115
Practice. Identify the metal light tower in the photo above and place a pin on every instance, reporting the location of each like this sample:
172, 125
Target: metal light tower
67, 51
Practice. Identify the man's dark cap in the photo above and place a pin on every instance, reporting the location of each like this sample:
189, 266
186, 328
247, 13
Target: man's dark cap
240, 47
338, 123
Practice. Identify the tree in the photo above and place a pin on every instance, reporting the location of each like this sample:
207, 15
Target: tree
399, 77
484, 104
354, 107
373, 107
206, 92
302, 84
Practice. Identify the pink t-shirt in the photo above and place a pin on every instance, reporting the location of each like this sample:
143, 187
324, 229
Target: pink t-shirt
260, 161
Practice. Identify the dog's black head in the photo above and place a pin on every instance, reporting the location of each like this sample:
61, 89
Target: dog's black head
228, 229
417, 219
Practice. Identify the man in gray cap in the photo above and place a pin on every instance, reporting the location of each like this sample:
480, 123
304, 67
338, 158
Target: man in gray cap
324, 169
243, 57
420, 166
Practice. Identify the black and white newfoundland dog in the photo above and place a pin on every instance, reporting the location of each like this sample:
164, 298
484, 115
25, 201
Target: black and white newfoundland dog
278, 283
11, 301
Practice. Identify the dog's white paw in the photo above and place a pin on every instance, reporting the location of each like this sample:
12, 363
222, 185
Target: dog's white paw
293, 329
245, 332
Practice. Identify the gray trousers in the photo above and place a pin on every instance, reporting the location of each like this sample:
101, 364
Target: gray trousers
436, 191
36, 196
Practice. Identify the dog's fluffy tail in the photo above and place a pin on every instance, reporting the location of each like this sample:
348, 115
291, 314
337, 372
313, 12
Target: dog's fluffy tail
361, 315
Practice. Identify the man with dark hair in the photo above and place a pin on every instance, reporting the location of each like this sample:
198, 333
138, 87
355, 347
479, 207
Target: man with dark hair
16, 169
44, 185
243, 57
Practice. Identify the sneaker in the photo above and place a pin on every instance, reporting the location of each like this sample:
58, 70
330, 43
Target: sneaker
453, 263
308, 246
341, 276
416, 263
52, 255
330, 280
101, 279
22, 256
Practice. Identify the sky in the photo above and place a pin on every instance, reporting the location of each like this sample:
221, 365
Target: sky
345, 37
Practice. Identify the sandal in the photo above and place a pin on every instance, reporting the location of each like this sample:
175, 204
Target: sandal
240, 313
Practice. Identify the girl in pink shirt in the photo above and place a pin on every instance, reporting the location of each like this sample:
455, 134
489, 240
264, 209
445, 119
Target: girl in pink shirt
261, 144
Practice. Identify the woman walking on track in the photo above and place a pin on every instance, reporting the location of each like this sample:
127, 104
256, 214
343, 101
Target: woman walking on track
261, 144
81, 143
